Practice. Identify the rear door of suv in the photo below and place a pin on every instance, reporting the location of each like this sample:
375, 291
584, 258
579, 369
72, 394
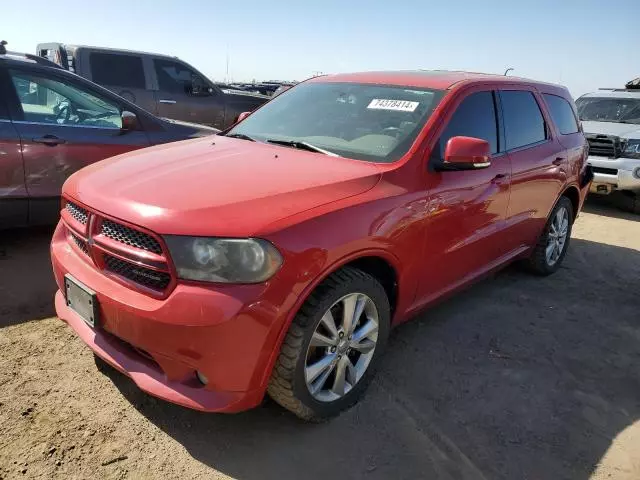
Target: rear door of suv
123, 73
538, 163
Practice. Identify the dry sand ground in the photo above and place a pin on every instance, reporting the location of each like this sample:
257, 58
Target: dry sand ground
517, 378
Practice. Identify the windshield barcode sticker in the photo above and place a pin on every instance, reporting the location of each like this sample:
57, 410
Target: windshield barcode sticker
399, 105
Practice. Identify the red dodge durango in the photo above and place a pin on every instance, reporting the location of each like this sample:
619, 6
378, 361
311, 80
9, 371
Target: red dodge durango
276, 256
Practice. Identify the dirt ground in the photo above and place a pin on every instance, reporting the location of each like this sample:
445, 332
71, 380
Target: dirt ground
517, 378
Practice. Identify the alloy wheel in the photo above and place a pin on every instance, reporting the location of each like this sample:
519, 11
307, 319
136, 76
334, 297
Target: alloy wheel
557, 236
341, 347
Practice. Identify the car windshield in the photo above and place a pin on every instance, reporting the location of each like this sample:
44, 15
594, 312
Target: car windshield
609, 109
361, 121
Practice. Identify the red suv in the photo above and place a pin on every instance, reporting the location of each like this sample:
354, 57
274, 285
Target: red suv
276, 256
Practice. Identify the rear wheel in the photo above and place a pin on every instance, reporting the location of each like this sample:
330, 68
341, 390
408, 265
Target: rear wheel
554, 241
330, 352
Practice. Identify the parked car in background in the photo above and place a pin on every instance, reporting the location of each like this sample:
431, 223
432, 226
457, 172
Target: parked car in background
281, 89
611, 121
163, 85
264, 88
277, 259
53, 123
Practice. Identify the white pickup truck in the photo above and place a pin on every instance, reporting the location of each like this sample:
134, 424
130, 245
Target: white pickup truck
611, 122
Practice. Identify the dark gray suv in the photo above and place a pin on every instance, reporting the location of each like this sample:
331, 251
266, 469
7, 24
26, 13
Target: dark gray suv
53, 123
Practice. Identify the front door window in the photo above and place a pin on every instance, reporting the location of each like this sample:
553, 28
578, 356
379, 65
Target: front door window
47, 100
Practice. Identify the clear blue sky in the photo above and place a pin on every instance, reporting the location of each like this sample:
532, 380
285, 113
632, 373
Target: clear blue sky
582, 44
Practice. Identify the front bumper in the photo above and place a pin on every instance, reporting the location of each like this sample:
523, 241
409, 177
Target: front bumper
612, 174
227, 333
147, 375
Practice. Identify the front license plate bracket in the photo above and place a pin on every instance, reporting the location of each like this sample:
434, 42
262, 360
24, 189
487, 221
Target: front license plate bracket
82, 300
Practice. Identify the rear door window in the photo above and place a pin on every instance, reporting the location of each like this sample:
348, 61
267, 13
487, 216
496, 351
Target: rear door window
561, 114
474, 117
117, 70
523, 121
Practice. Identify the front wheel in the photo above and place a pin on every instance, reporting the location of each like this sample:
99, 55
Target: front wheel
330, 352
554, 241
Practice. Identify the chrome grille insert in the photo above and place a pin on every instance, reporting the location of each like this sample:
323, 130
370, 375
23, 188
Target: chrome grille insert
78, 213
130, 237
82, 245
608, 146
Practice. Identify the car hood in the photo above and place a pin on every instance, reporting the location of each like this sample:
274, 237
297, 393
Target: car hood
194, 129
217, 185
624, 130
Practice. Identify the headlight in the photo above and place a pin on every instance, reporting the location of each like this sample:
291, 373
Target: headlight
631, 149
225, 260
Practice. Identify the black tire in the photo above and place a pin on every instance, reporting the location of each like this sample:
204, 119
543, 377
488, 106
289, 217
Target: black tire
287, 385
537, 262
628, 201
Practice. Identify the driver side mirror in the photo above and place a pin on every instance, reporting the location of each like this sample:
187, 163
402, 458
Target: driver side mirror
129, 121
466, 153
242, 116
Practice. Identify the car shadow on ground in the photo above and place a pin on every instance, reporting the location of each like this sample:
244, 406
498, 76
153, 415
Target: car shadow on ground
614, 205
27, 286
518, 377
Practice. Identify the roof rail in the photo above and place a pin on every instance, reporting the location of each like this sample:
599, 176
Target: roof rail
42, 61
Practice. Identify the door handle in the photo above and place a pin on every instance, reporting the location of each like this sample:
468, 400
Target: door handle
167, 101
498, 178
49, 140
558, 161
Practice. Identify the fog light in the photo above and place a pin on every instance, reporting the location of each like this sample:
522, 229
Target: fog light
204, 380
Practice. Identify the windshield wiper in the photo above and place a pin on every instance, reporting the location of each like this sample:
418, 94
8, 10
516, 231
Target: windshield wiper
241, 136
303, 146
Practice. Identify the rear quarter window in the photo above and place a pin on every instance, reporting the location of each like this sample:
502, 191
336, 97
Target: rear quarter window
523, 121
117, 70
562, 114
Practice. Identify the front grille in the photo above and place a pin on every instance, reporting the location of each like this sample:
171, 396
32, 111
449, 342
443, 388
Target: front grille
608, 146
606, 171
78, 213
130, 237
103, 243
82, 245
136, 273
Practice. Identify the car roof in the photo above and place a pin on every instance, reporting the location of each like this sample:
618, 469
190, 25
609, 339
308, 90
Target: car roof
119, 50
613, 93
25, 58
436, 79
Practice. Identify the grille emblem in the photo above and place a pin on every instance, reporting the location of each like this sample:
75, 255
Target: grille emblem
142, 273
